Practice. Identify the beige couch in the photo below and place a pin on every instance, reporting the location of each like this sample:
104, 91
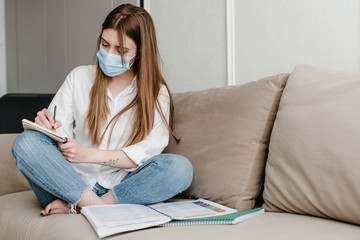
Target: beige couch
289, 142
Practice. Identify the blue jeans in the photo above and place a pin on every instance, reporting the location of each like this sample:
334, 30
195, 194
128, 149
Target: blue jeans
52, 177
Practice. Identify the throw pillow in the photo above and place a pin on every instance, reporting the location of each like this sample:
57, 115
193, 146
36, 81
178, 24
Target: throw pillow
225, 133
314, 154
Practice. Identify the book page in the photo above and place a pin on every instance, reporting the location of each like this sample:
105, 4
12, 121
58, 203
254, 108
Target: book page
111, 219
121, 214
194, 209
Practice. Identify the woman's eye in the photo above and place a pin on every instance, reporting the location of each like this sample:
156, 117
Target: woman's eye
105, 45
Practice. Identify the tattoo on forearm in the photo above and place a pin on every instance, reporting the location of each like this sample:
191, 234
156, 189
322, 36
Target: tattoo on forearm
111, 162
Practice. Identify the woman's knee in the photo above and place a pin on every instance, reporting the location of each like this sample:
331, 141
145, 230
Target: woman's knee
26, 142
180, 169
187, 169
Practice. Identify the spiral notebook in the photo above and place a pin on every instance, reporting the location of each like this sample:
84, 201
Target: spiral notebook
229, 219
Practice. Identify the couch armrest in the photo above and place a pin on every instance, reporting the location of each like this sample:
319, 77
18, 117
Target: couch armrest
11, 179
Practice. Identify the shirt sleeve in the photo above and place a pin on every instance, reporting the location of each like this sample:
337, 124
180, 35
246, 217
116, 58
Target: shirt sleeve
158, 138
63, 100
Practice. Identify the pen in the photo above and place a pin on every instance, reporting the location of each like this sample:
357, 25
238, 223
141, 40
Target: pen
54, 116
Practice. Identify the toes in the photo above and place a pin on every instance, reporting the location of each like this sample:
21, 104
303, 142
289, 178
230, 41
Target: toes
52, 206
56, 207
47, 210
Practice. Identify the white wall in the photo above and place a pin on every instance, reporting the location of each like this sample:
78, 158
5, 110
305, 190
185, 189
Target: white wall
192, 42
2, 50
46, 39
275, 36
268, 36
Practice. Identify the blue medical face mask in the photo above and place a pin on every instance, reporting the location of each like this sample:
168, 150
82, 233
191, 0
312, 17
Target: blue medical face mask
112, 64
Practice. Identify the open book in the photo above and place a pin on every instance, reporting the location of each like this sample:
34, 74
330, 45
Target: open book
111, 219
29, 125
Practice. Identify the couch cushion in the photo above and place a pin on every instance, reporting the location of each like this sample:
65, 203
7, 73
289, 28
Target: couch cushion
314, 154
20, 219
11, 178
225, 133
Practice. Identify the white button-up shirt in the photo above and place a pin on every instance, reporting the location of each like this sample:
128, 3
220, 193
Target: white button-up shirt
72, 101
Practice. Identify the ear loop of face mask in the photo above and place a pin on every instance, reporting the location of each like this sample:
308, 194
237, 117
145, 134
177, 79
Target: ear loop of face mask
133, 61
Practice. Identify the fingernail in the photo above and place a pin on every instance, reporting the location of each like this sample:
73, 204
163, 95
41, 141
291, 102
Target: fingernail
41, 214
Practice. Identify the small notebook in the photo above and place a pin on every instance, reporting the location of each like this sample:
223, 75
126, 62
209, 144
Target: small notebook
29, 125
229, 219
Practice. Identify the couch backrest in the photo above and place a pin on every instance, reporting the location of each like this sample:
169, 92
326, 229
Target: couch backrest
11, 179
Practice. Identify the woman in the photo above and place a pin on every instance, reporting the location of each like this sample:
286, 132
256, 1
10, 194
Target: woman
117, 116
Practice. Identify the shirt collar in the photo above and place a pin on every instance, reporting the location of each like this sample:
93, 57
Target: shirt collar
127, 91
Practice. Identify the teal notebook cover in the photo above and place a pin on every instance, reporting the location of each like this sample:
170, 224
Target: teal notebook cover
233, 218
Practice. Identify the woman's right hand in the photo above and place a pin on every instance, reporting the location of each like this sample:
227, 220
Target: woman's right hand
45, 119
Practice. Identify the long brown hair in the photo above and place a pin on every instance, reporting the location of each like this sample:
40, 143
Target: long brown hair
137, 24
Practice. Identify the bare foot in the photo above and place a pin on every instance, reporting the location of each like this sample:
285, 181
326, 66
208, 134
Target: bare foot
56, 207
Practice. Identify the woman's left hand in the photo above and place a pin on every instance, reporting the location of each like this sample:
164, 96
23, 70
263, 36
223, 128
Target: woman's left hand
73, 151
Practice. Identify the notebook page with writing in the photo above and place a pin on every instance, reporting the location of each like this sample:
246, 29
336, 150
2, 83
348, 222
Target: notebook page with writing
192, 209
